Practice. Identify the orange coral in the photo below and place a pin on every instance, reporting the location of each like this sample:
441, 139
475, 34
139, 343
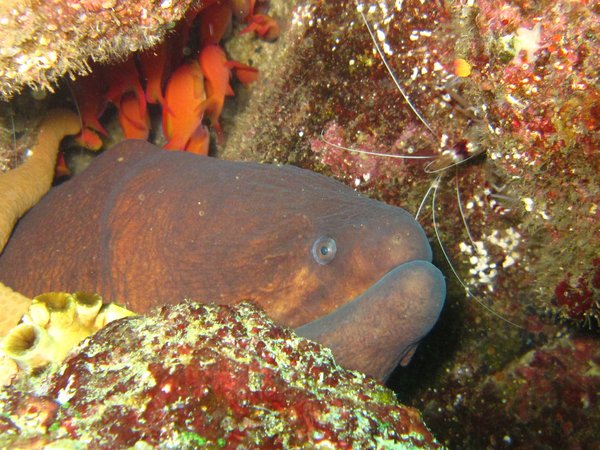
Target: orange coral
184, 108
217, 70
214, 22
264, 26
187, 88
89, 95
153, 64
127, 94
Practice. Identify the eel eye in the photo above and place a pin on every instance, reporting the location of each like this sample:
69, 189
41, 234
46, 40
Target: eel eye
324, 249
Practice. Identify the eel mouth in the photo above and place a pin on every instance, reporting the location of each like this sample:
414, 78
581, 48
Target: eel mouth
383, 326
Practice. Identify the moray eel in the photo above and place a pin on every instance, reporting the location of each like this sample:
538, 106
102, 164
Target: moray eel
144, 227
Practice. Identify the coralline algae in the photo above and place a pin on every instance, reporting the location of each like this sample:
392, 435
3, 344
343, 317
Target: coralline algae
205, 376
528, 108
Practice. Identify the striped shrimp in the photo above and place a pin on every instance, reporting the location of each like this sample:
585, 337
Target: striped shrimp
447, 161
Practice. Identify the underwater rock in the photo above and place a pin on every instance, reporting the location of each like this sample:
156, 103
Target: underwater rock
194, 375
522, 121
551, 391
128, 78
43, 41
526, 110
528, 189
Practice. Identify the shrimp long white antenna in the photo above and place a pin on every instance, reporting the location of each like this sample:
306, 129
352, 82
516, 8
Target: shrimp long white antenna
391, 72
440, 165
431, 188
370, 153
462, 212
447, 257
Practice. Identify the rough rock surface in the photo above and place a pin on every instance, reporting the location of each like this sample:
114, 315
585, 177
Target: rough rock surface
526, 114
205, 376
43, 41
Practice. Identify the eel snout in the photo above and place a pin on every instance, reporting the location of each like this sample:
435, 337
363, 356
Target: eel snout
383, 326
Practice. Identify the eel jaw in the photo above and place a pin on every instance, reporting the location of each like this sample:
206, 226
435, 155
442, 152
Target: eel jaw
383, 326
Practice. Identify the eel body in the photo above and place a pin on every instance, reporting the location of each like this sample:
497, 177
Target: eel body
144, 227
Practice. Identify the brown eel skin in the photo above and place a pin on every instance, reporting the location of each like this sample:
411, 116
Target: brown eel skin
144, 227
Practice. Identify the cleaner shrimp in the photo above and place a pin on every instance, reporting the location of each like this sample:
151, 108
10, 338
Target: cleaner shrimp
449, 160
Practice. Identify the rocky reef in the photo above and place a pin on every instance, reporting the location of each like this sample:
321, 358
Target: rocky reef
206, 376
550, 391
123, 63
515, 135
44, 41
509, 102
508, 97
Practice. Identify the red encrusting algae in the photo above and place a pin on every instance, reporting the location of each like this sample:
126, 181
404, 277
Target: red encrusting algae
204, 375
580, 302
527, 111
